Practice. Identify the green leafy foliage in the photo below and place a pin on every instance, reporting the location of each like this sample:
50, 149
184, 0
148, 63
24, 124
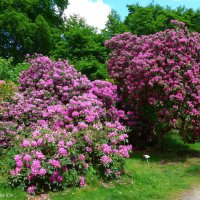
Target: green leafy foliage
27, 26
83, 47
9, 71
7, 90
114, 25
5, 66
154, 18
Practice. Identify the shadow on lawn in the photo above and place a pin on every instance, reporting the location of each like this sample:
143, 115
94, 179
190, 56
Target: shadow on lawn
174, 150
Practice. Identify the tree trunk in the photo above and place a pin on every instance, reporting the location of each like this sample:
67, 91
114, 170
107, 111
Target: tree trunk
159, 138
182, 130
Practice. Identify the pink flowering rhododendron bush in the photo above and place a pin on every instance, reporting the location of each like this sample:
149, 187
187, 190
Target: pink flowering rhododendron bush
66, 125
158, 78
59, 159
7, 129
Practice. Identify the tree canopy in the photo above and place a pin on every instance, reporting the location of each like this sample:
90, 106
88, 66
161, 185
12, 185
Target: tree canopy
39, 26
26, 26
83, 47
114, 25
153, 18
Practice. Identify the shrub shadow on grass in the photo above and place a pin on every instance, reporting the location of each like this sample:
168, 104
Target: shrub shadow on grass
174, 150
194, 170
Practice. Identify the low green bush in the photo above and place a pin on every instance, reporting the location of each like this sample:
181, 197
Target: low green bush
7, 90
11, 72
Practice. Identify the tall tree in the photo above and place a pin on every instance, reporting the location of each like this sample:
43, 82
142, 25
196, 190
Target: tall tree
114, 25
26, 26
154, 18
83, 46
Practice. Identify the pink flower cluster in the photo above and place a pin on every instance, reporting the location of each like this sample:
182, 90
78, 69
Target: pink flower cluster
158, 77
7, 133
52, 161
55, 94
2, 82
71, 120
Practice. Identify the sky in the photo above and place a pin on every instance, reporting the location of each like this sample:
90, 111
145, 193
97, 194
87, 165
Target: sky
95, 12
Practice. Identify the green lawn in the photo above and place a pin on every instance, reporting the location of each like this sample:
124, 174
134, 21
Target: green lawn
168, 173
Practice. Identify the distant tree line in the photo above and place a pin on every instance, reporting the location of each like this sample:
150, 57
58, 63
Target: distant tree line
38, 26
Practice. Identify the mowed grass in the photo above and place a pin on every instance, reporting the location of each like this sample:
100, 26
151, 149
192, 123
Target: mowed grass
168, 173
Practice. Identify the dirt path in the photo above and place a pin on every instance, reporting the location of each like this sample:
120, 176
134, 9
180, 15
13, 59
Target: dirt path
193, 194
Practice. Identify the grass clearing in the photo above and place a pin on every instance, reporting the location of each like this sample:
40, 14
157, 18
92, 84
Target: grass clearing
169, 172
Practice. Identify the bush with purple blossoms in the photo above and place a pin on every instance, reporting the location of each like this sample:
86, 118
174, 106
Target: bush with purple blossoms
7, 133
69, 124
59, 159
158, 78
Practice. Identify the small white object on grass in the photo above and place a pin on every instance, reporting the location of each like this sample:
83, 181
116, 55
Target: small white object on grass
147, 157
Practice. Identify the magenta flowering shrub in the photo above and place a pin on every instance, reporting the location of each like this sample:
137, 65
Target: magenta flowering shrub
61, 158
158, 78
56, 94
68, 124
105, 91
79, 113
7, 133
44, 84
53, 81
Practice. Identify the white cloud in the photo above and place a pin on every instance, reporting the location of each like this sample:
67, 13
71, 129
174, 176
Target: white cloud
94, 12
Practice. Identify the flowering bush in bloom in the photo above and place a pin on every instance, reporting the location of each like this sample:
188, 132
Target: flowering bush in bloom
105, 91
69, 124
7, 133
55, 93
158, 77
58, 159
7, 90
